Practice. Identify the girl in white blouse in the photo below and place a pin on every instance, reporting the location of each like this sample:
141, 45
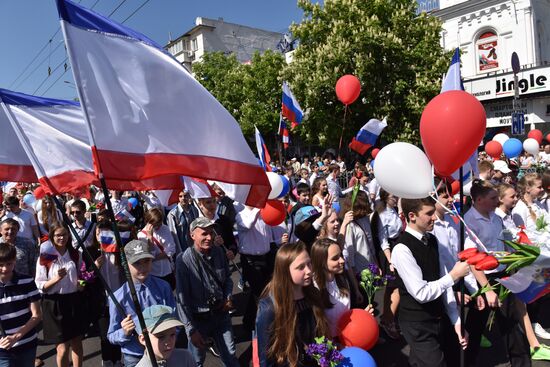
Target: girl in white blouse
528, 210
507, 198
63, 304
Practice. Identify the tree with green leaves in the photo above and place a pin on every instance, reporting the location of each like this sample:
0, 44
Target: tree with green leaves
250, 92
395, 53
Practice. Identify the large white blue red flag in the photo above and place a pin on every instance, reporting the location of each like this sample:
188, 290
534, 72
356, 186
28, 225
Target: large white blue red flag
453, 81
263, 154
52, 133
147, 117
15, 165
291, 109
367, 135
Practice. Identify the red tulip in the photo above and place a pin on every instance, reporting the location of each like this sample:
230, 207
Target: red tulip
466, 254
488, 263
477, 258
523, 238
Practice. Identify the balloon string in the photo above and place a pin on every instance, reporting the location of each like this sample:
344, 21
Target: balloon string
454, 212
343, 126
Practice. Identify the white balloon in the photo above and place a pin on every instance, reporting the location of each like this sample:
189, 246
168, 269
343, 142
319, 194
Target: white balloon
531, 146
403, 170
501, 138
276, 185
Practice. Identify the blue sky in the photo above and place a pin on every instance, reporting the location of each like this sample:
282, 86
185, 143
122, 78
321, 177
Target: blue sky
26, 26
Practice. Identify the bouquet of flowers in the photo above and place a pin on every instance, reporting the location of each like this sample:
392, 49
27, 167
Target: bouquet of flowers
371, 280
324, 352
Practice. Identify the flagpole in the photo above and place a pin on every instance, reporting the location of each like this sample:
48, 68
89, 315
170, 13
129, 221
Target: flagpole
99, 173
461, 281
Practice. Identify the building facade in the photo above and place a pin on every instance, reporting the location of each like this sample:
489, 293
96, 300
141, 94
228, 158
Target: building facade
210, 35
487, 33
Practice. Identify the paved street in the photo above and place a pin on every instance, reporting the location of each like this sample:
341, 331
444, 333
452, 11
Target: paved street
387, 353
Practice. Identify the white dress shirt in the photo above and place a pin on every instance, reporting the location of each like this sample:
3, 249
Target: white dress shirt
521, 215
507, 220
68, 284
162, 267
447, 233
340, 304
421, 290
254, 235
487, 230
389, 226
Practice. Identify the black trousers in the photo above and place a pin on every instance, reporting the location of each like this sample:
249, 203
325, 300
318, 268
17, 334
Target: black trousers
257, 271
510, 325
432, 343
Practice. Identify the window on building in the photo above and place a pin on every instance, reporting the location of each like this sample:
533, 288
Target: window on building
176, 48
194, 44
487, 52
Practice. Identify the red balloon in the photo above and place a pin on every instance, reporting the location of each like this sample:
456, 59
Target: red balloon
548, 137
455, 187
273, 213
535, 134
374, 153
348, 88
358, 328
451, 127
494, 149
39, 193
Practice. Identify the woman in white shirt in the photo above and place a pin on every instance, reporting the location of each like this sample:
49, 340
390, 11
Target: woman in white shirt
528, 210
63, 304
328, 276
162, 245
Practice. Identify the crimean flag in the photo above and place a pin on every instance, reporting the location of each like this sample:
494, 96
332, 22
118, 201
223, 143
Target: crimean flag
15, 165
147, 117
367, 135
291, 109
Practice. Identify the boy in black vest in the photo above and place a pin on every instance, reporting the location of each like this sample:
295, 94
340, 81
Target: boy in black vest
426, 291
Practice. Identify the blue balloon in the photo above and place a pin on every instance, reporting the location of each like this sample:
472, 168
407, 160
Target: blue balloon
356, 357
512, 147
286, 186
372, 164
336, 207
133, 202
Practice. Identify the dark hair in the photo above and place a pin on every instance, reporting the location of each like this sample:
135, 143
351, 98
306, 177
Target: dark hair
317, 184
480, 188
7, 252
79, 204
12, 200
442, 186
154, 215
361, 207
333, 167
546, 180
415, 205
302, 188
11, 221
319, 257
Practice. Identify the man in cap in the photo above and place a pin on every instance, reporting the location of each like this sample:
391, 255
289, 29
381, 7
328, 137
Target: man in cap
203, 291
161, 324
150, 291
501, 169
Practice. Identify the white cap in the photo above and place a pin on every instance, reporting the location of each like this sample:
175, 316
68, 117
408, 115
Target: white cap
502, 167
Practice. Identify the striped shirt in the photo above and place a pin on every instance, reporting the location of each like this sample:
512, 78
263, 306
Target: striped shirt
15, 299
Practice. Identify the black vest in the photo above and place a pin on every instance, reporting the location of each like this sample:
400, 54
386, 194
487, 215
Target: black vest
427, 258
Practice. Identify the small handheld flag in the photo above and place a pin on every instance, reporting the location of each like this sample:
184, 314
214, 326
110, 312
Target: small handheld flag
367, 135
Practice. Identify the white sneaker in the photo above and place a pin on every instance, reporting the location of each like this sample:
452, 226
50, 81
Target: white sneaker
540, 332
106, 364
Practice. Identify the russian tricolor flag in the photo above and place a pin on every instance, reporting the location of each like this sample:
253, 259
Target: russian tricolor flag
108, 242
147, 117
265, 159
291, 108
367, 136
283, 131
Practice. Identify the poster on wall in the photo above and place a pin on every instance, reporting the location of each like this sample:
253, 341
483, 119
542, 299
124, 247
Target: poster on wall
487, 51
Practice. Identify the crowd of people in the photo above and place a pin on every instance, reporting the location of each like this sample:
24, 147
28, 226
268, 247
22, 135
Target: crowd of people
302, 275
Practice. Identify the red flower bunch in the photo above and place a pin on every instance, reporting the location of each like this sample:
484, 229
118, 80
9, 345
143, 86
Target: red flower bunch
481, 260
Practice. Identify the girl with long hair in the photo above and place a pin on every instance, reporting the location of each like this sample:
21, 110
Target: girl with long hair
329, 277
290, 312
47, 215
63, 303
320, 191
528, 209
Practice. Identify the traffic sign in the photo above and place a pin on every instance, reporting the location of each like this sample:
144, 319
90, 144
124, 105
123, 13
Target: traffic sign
518, 123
